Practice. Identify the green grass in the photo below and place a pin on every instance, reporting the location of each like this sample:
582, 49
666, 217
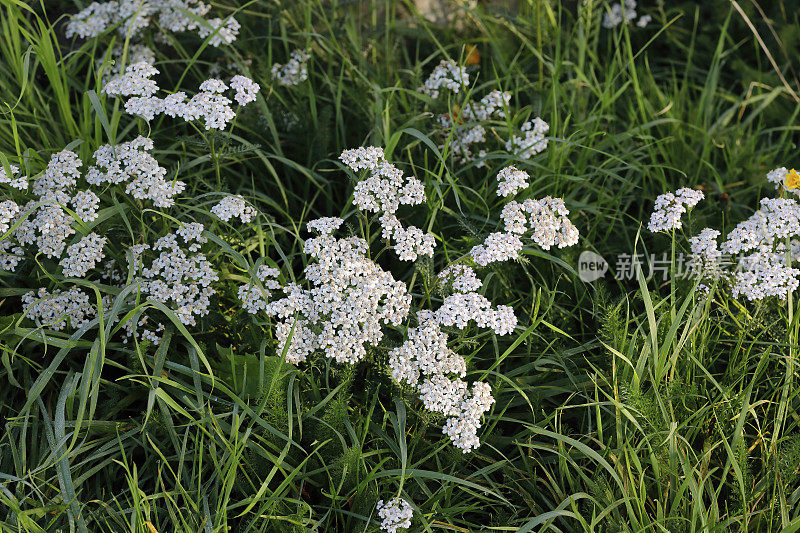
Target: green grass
620, 406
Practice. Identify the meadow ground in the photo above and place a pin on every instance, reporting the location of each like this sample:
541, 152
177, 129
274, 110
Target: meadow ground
183, 351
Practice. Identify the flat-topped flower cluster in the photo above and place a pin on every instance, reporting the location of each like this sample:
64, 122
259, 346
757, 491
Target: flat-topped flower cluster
132, 17
295, 71
383, 191
209, 104
669, 208
766, 245
395, 514
624, 13
346, 300
544, 221
464, 128
60, 222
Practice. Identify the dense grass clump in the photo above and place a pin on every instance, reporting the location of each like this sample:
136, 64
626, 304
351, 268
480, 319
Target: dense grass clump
216, 366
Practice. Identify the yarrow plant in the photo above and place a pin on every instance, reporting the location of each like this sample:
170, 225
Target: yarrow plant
766, 245
179, 274
210, 104
234, 206
670, 207
544, 221
395, 514
132, 17
448, 75
71, 200
624, 12
464, 128
347, 300
383, 191
295, 71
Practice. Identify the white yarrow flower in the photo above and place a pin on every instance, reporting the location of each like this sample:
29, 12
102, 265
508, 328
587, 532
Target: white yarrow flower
295, 71
511, 181
234, 206
83, 256
669, 207
395, 514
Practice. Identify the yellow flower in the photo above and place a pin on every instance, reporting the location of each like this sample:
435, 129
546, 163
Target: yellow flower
473, 55
792, 180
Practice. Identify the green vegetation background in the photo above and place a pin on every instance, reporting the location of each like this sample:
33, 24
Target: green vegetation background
622, 407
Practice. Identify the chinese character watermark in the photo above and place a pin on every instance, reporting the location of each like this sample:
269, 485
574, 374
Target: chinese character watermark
592, 266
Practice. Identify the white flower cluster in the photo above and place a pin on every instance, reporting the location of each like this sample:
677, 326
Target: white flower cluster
10, 255
624, 12
383, 191
776, 221
8, 178
462, 128
363, 158
532, 141
86, 204
493, 105
511, 181
425, 353
55, 309
180, 278
295, 71
778, 176
459, 309
705, 253
763, 274
134, 16
425, 362
462, 427
8, 211
210, 104
223, 31
462, 123
131, 164
246, 89
412, 242
97, 18
234, 206
83, 256
395, 514
60, 176
669, 207
460, 278
136, 53
765, 270
767, 245
254, 296
497, 247
348, 300
134, 82
43, 220
447, 74
462, 139
325, 225
138, 326
546, 218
